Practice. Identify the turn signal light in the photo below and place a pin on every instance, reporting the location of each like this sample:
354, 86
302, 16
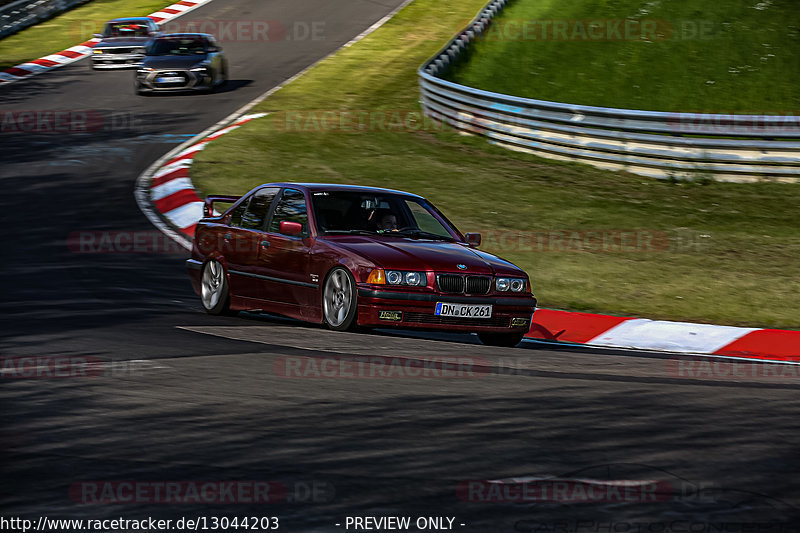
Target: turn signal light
377, 277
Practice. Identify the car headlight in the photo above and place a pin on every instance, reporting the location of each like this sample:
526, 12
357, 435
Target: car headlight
401, 277
517, 285
139, 50
393, 277
97, 51
413, 278
201, 69
512, 284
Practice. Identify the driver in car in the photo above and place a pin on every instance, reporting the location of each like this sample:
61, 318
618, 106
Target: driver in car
387, 222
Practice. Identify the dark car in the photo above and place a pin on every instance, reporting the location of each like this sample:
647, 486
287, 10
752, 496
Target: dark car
348, 256
182, 62
123, 42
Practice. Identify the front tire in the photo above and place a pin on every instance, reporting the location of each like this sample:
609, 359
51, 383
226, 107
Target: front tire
339, 305
214, 293
219, 83
507, 340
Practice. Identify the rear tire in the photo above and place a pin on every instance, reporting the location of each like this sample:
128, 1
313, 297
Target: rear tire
339, 305
507, 340
214, 294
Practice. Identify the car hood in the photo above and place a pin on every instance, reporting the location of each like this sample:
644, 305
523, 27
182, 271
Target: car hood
414, 254
162, 62
122, 41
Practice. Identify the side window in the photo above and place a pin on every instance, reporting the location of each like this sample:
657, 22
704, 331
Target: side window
291, 208
257, 209
236, 214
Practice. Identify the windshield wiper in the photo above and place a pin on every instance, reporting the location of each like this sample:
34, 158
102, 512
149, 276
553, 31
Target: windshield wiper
418, 233
348, 232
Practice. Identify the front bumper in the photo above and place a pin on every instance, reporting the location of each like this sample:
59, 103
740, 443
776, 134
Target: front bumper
510, 314
116, 61
191, 80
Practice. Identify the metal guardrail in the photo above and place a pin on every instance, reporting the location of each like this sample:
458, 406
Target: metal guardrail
651, 143
19, 15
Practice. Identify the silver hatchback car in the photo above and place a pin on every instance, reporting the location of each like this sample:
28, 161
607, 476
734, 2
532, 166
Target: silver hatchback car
123, 43
182, 62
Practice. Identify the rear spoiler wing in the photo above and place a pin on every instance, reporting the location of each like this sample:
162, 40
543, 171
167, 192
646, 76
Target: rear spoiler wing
208, 206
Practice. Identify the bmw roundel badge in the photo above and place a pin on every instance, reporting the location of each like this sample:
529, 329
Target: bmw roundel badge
462, 267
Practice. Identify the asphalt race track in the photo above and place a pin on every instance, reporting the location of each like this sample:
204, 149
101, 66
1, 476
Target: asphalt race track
178, 396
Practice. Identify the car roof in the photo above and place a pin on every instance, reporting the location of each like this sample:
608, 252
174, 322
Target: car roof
132, 19
320, 187
182, 35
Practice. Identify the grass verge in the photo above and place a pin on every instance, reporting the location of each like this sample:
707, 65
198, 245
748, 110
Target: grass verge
70, 28
695, 56
720, 253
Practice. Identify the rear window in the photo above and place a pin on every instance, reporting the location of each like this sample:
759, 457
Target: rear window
252, 213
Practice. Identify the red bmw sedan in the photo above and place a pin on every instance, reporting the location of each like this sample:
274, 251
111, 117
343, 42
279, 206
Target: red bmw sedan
348, 256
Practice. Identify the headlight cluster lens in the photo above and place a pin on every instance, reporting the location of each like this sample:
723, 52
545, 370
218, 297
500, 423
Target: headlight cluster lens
139, 50
401, 277
97, 51
510, 284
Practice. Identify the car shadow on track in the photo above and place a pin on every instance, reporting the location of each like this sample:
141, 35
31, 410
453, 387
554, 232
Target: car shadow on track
472, 339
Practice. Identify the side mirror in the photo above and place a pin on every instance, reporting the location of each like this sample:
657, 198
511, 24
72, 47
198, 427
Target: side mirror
212, 49
473, 239
291, 228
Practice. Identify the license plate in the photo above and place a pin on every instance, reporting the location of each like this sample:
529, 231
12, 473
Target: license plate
170, 79
463, 310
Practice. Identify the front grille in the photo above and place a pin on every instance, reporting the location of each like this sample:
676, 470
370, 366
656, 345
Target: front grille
478, 284
184, 79
425, 318
452, 283
458, 284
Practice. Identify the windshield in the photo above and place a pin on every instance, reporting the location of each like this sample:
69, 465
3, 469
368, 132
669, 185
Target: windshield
177, 47
394, 215
126, 29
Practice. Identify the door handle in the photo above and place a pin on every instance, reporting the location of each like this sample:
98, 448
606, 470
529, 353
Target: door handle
265, 244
